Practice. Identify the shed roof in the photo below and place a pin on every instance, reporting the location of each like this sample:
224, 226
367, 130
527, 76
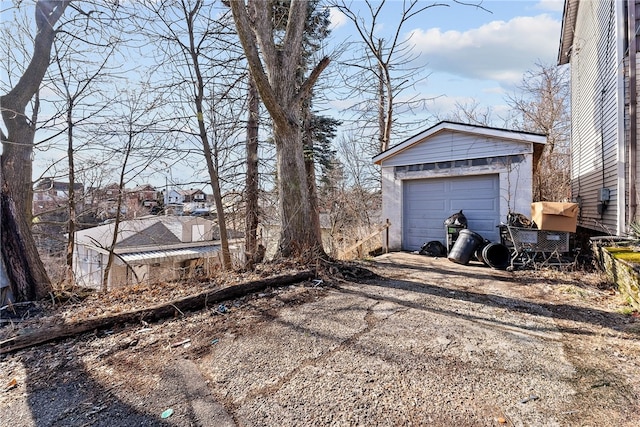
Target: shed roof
148, 231
497, 133
178, 254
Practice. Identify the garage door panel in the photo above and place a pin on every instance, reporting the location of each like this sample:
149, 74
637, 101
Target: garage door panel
435, 205
471, 185
479, 205
428, 202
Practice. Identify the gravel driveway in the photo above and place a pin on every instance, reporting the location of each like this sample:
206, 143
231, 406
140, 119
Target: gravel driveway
428, 342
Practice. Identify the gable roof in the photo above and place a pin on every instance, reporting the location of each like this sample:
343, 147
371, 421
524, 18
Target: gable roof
189, 192
568, 27
46, 184
156, 234
464, 128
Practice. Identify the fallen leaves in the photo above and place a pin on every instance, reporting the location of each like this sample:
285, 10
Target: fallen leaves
11, 384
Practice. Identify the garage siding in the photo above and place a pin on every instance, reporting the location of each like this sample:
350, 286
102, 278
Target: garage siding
428, 202
450, 146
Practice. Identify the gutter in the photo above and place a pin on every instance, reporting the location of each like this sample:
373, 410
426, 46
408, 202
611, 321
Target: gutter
633, 111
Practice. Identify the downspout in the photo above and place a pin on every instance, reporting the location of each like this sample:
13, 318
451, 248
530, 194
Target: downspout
633, 119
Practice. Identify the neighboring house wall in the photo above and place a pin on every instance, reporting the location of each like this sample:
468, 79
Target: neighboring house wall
174, 196
596, 101
595, 42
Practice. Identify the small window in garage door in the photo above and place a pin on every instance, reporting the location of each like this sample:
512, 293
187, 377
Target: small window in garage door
426, 203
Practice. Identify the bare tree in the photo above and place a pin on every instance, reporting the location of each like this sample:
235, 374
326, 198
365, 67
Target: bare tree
207, 70
274, 57
252, 185
382, 58
24, 267
133, 137
542, 103
471, 112
76, 80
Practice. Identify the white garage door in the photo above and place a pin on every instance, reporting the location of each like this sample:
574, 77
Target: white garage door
428, 202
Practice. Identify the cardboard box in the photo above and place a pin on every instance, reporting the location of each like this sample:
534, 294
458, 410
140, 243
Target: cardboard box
555, 216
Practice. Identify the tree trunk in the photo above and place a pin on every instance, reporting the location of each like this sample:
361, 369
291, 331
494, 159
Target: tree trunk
310, 170
217, 197
33, 282
71, 221
212, 167
158, 312
275, 77
28, 277
297, 235
14, 253
252, 183
116, 224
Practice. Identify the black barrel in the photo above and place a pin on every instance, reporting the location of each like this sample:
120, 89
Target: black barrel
465, 246
479, 249
496, 255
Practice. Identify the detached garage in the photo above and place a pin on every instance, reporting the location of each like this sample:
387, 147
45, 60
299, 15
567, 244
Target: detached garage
485, 172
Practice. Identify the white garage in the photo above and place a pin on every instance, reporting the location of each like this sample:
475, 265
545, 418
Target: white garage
485, 172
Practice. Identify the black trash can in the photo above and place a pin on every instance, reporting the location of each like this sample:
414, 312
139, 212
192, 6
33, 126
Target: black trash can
479, 249
497, 255
464, 247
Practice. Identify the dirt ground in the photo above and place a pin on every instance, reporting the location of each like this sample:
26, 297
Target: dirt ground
425, 342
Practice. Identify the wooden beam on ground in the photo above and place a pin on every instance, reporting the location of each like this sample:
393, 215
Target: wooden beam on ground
149, 314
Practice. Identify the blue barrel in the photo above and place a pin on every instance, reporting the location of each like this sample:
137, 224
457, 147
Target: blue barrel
496, 255
465, 246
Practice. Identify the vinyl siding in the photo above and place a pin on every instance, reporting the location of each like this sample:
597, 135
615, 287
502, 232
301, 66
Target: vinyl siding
450, 145
595, 111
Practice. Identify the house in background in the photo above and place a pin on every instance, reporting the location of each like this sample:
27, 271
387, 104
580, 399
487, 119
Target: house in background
49, 195
187, 201
155, 248
599, 40
141, 200
486, 172
105, 201
194, 201
144, 195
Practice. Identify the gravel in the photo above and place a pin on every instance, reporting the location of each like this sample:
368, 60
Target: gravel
427, 342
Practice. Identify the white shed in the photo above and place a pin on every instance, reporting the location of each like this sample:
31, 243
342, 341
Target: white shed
485, 172
149, 249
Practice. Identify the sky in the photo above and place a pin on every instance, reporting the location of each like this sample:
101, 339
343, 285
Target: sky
470, 54
473, 53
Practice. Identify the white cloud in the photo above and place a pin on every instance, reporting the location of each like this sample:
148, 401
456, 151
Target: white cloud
496, 90
337, 18
500, 51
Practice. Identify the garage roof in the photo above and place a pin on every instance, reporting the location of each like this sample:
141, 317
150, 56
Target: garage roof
176, 255
497, 133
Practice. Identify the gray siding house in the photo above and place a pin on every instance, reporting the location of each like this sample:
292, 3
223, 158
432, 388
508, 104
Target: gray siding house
599, 40
486, 172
